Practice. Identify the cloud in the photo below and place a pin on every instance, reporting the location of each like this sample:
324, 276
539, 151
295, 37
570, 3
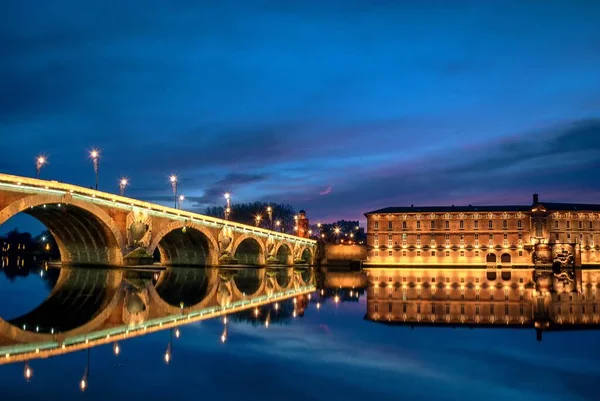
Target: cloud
327, 191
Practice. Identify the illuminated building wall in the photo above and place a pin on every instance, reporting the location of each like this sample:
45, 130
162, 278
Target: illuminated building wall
482, 235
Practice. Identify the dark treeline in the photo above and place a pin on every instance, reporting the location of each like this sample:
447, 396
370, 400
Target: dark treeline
23, 244
246, 213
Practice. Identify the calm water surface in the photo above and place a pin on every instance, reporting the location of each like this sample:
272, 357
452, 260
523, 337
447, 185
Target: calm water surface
324, 353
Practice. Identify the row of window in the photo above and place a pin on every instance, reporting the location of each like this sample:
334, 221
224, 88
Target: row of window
462, 280
433, 253
434, 310
461, 225
432, 241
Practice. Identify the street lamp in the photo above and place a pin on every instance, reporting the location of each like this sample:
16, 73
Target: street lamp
39, 163
270, 214
257, 219
278, 224
122, 185
180, 199
95, 156
173, 181
228, 206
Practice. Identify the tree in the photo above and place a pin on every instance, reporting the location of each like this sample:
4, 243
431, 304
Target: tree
246, 213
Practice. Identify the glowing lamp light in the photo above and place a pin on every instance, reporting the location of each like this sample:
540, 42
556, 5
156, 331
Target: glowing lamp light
227, 195
27, 372
318, 305
278, 223
83, 384
41, 160
167, 357
177, 333
337, 299
116, 349
276, 306
173, 178
94, 154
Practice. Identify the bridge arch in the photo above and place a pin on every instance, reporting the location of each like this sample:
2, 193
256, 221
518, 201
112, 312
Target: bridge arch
307, 255
84, 232
284, 254
249, 250
185, 243
249, 282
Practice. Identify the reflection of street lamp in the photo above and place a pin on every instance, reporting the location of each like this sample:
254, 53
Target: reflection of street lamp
39, 163
95, 156
173, 181
116, 349
122, 184
83, 384
180, 199
169, 346
27, 372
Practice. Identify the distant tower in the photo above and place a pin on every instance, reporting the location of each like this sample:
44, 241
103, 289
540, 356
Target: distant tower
302, 224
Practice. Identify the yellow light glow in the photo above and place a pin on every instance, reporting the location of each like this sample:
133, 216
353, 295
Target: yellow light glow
83, 384
95, 153
177, 333
167, 357
173, 178
27, 372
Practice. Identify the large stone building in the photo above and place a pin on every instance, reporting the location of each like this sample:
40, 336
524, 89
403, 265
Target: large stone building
542, 233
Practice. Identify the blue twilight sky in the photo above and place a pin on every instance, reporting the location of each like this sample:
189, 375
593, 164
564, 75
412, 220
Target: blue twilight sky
337, 107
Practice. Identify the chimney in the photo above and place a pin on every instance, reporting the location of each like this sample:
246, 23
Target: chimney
536, 199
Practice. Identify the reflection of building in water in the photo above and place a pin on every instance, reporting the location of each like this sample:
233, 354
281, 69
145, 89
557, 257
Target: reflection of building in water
545, 299
538, 234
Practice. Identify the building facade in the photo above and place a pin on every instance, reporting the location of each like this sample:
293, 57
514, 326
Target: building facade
518, 235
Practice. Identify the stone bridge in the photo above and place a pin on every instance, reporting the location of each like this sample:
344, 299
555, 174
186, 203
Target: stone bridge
90, 307
98, 228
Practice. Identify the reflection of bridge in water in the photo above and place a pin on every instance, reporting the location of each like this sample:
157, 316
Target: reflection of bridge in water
522, 298
91, 307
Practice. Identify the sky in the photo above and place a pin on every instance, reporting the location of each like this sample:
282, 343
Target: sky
336, 107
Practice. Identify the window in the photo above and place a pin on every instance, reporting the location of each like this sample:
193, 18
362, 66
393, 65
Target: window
591, 225
520, 253
462, 253
490, 224
447, 279
477, 310
390, 308
390, 241
462, 239
432, 253
506, 309
447, 225
418, 225
390, 252
520, 239
447, 239
521, 311
433, 279
505, 240
556, 224
404, 279
433, 225
404, 308
376, 253
376, 240
376, 307
418, 308
418, 253
432, 240
404, 236
462, 309
418, 239
462, 225
447, 309
447, 253
476, 227
403, 253
477, 239
376, 225
505, 224
476, 253
580, 225
568, 224
433, 309
492, 309
568, 236
519, 224
462, 280
390, 225
491, 239
404, 225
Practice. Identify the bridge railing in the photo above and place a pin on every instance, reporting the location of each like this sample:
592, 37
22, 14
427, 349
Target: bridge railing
122, 202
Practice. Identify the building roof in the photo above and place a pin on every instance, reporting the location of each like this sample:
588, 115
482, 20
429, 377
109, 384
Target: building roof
470, 208
449, 209
582, 207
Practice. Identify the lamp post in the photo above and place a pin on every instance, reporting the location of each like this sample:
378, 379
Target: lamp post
180, 199
40, 161
173, 181
122, 185
270, 214
257, 219
278, 224
228, 205
95, 156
